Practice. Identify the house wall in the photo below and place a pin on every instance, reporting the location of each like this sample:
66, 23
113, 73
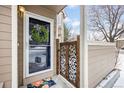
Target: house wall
40, 11
5, 45
101, 61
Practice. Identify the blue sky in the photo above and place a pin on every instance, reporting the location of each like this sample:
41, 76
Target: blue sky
73, 18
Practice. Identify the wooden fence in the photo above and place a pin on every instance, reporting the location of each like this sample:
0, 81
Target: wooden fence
68, 61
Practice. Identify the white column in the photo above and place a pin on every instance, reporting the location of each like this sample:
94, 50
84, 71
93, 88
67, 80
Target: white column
83, 49
14, 48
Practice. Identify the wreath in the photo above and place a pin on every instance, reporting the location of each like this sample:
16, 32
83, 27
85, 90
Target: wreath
41, 35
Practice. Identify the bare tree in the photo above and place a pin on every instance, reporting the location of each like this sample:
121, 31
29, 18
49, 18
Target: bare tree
107, 19
67, 33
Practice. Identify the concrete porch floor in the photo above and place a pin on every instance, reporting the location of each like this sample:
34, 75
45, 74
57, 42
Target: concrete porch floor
60, 83
120, 82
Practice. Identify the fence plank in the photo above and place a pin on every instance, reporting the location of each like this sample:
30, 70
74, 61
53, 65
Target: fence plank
78, 62
57, 57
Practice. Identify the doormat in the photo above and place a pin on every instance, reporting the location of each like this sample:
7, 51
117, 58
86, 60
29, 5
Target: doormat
44, 83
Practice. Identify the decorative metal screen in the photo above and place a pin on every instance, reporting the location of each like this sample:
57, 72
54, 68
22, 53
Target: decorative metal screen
72, 63
69, 62
63, 60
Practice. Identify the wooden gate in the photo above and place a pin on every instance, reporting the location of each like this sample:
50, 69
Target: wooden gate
68, 61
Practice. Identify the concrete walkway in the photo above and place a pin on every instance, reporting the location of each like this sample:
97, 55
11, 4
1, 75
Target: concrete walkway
120, 82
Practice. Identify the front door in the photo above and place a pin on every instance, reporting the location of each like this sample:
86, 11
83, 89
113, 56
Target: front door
38, 44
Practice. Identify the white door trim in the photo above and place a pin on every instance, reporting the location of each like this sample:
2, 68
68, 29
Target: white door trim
14, 47
26, 43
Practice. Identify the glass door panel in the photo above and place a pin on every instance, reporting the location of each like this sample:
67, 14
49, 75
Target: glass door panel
39, 45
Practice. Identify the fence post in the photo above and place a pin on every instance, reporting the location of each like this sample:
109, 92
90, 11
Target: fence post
78, 61
57, 57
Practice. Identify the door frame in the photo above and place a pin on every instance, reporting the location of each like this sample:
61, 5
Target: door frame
26, 43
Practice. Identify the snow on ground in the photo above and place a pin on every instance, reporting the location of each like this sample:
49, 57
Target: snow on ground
120, 82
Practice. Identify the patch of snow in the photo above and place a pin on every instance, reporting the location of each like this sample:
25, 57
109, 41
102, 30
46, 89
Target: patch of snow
120, 65
109, 80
